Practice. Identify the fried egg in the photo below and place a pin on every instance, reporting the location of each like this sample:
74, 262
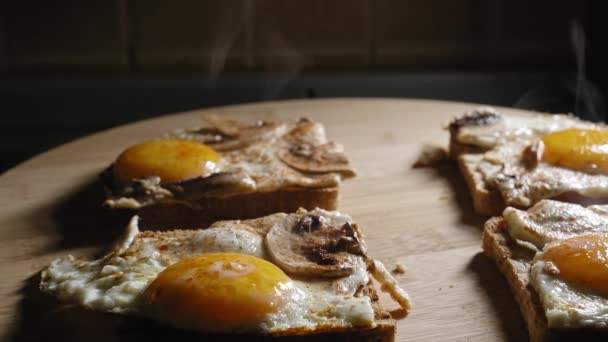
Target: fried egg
223, 159
550, 220
222, 279
569, 271
515, 128
530, 158
578, 149
571, 278
172, 160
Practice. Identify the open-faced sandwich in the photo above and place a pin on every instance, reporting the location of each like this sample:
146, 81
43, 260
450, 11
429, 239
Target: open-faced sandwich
520, 160
555, 259
306, 274
228, 170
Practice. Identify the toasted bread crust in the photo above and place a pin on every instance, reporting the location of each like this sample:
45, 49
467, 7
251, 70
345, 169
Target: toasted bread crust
514, 263
486, 201
384, 331
245, 206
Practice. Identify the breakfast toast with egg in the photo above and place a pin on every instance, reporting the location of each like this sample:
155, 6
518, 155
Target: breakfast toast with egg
311, 271
506, 162
514, 260
228, 170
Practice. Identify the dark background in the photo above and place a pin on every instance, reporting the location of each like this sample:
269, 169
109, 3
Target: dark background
70, 68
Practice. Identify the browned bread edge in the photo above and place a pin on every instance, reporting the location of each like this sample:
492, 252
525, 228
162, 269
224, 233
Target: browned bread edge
486, 201
238, 207
514, 263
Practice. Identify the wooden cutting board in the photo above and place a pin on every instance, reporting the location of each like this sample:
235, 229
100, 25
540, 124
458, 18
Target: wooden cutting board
423, 218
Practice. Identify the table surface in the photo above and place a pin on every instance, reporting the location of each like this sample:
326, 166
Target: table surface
423, 218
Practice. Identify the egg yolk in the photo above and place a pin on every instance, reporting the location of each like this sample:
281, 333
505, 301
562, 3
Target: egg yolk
581, 260
579, 149
172, 160
219, 290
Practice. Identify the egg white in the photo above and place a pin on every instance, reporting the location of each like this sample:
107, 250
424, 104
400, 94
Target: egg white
517, 128
565, 305
115, 282
550, 220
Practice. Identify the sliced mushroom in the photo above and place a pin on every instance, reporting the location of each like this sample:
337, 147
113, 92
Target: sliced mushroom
225, 134
478, 117
306, 131
304, 245
323, 158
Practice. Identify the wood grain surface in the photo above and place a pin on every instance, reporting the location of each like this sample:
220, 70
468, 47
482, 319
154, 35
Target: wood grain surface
423, 218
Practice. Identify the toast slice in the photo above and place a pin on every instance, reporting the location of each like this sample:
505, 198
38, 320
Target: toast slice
254, 170
123, 281
502, 160
514, 262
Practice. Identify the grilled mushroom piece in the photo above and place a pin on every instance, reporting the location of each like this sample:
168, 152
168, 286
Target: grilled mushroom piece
322, 158
306, 131
306, 245
478, 117
226, 134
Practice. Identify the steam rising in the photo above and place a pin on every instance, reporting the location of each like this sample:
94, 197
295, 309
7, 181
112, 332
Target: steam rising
588, 99
265, 46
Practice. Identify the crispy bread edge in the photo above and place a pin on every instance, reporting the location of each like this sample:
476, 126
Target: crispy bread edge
514, 263
245, 206
485, 201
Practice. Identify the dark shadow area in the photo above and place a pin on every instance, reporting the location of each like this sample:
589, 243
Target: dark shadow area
41, 317
83, 221
450, 172
49, 109
499, 295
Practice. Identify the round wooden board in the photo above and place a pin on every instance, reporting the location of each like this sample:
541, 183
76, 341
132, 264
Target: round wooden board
422, 218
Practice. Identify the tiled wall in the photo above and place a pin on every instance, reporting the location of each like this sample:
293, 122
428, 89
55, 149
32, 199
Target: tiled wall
281, 35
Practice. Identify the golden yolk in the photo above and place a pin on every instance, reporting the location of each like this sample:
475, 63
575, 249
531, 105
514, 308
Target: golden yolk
581, 260
579, 149
218, 290
172, 160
